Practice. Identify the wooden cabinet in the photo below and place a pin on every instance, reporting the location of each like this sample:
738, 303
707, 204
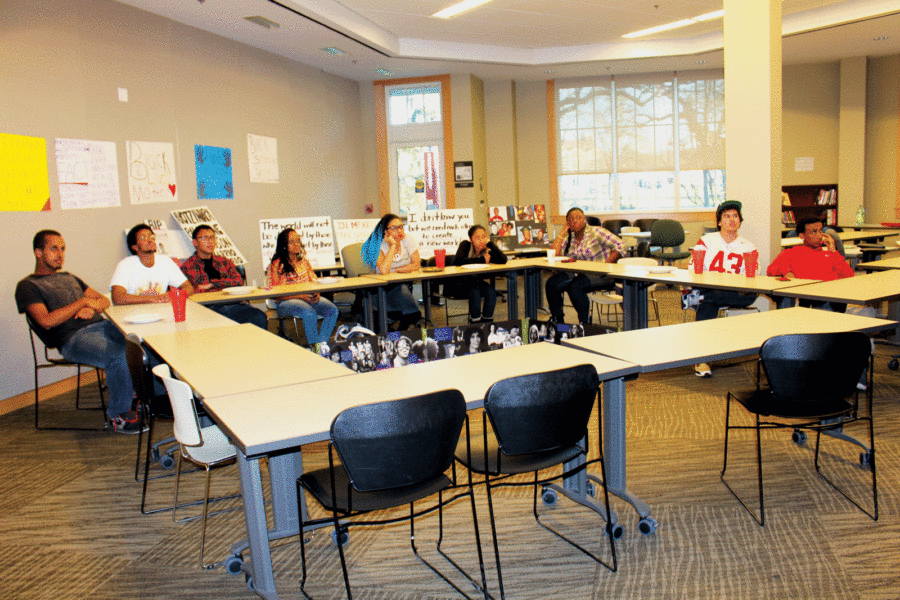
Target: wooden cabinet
810, 201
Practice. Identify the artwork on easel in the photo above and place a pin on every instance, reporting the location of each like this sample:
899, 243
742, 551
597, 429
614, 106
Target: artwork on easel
520, 227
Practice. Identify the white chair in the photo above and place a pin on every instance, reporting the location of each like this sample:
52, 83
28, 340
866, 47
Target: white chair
609, 299
206, 447
629, 241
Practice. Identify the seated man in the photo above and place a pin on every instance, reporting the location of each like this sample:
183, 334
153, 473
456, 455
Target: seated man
724, 254
816, 258
581, 241
208, 272
141, 279
68, 313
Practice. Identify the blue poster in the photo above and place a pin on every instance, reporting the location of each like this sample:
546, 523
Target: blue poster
214, 179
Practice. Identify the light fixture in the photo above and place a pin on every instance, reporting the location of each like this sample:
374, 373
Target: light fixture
263, 22
701, 62
880, 38
676, 24
460, 7
334, 51
384, 72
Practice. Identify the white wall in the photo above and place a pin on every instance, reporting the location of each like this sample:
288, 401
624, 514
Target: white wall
61, 67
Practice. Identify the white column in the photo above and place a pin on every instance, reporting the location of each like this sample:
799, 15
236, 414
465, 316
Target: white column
753, 119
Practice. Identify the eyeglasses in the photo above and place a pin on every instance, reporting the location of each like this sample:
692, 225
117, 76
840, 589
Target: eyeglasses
395, 227
146, 238
206, 238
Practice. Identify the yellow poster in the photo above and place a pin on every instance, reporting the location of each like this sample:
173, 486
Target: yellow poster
23, 173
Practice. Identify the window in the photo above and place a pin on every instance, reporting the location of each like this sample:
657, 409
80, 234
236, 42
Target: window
415, 137
642, 143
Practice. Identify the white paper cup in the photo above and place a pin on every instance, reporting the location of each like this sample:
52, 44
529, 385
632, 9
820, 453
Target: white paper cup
551, 255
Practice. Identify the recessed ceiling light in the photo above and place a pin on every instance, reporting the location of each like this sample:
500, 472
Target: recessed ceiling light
263, 22
701, 62
460, 7
384, 72
880, 38
334, 51
549, 72
676, 24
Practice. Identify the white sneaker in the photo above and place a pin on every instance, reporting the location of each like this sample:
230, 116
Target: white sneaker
702, 370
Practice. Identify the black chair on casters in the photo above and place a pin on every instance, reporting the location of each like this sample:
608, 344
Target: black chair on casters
811, 377
385, 455
54, 361
532, 423
667, 233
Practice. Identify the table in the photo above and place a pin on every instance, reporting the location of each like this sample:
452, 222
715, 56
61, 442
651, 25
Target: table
196, 317
685, 344
849, 236
881, 265
239, 358
635, 281
285, 418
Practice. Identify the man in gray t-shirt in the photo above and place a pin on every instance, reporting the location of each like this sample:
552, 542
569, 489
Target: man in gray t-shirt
65, 313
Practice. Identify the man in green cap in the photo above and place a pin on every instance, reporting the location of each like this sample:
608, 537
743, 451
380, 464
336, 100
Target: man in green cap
724, 254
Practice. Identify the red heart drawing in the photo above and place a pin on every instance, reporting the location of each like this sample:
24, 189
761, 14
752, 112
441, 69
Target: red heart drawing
172, 188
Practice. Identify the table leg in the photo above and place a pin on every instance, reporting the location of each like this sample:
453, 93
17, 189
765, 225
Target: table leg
382, 311
634, 294
531, 279
368, 317
893, 313
257, 530
614, 454
512, 295
426, 298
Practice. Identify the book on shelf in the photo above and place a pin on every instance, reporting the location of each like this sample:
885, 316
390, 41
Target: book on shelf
827, 196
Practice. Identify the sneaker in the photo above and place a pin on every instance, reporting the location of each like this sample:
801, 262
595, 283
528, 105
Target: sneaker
127, 422
702, 370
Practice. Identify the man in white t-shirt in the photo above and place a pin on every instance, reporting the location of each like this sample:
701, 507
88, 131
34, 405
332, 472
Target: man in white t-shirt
724, 254
141, 279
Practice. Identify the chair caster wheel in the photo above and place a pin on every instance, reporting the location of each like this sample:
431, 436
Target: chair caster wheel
866, 458
647, 525
894, 364
798, 437
344, 536
549, 496
154, 455
615, 530
249, 579
233, 565
167, 461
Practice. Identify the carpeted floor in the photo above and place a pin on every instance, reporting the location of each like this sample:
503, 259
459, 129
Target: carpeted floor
70, 521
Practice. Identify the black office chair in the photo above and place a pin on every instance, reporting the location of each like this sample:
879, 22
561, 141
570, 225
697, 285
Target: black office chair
643, 248
811, 377
667, 233
532, 423
447, 292
391, 454
616, 225
58, 361
592, 220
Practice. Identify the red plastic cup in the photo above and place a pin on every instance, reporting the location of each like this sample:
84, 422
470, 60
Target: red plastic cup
179, 303
440, 255
698, 257
751, 261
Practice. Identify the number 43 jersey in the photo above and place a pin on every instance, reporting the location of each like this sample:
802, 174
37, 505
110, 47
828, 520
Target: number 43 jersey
725, 257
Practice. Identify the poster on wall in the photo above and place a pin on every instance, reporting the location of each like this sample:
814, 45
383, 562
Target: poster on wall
520, 227
439, 229
213, 167
171, 242
88, 174
24, 183
262, 155
315, 232
190, 218
151, 172
352, 231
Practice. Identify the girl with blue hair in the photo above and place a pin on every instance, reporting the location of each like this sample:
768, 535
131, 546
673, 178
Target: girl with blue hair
389, 250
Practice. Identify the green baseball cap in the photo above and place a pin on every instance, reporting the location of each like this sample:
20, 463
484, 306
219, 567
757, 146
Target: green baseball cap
727, 205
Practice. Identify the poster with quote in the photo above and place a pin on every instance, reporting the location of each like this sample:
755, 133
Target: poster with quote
314, 231
439, 229
24, 183
520, 227
171, 242
262, 154
190, 218
213, 167
151, 172
87, 174
352, 231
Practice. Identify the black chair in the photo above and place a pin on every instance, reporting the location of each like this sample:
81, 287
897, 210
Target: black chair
592, 220
811, 377
58, 361
643, 248
391, 454
532, 423
616, 225
446, 291
667, 233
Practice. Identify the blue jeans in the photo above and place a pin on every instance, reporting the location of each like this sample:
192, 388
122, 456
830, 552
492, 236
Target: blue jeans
578, 287
310, 313
102, 345
713, 300
479, 289
241, 312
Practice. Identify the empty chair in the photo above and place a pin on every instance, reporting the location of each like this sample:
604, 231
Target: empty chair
810, 376
667, 233
592, 220
389, 454
643, 247
611, 299
206, 447
58, 361
631, 243
615, 225
532, 423
446, 291
354, 266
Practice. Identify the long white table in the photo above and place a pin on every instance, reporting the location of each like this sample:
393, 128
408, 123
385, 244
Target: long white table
131, 318
276, 422
850, 236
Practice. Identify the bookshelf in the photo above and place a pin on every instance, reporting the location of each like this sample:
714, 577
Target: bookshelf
810, 201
